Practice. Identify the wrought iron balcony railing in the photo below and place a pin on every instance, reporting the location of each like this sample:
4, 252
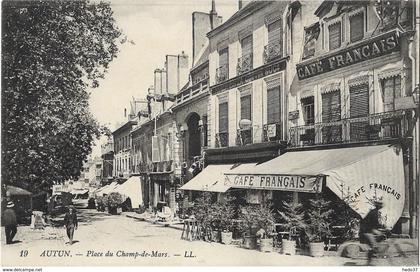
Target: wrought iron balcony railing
222, 139
244, 136
245, 64
271, 132
379, 126
222, 73
271, 51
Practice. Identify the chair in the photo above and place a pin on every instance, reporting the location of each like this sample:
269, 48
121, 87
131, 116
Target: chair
165, 215
336, 237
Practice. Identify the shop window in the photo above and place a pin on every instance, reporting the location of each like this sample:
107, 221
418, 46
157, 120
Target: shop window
391, 89
273, 105
331, 113
359, 107
357, 27
334, 36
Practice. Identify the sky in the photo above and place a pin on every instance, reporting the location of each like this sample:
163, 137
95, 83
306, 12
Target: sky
157, 28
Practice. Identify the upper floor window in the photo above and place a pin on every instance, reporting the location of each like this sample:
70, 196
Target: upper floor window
356, 27
246, 107
222, 73
391, 89
334, 32
274, 46
223, 117
245, 61
273, 104
308, 110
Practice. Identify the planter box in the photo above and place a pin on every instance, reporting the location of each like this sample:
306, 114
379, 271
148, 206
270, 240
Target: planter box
266, 245
215, 236
316, 249
289, 247
226, 238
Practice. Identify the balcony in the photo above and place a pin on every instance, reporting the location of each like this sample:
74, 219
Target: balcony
196, 89
375, 127
244, 64
244, 136
107, 148
272, 51
222, 73
222, 139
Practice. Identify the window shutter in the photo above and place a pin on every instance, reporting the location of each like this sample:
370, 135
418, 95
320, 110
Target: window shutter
391, 88
224, 57
246, 107
223, 117
356, 27
274, 32
331, 107
359, 101
335, 36
273, 105
246, 44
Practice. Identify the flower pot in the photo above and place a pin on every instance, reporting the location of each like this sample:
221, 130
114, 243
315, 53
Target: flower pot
215, 236
289, 247
226, 237
266, 245
316, 249
250, 242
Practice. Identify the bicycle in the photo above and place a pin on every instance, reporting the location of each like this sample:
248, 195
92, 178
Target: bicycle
387, 248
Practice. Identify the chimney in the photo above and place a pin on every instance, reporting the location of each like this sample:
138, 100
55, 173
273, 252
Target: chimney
125, 112
240, 4
213, 14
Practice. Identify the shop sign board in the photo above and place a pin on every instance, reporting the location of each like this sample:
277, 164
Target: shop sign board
370, 49
308, 184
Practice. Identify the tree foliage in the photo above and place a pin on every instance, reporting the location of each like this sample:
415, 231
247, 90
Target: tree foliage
52, 53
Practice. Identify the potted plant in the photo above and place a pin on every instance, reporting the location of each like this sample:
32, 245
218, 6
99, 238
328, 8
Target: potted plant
203, 212
293, 221
225, 213
249, 225
115, 200
105, 205
266, 227
318, 225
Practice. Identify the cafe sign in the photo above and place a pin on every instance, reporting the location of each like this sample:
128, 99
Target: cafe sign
370, 49
308, 184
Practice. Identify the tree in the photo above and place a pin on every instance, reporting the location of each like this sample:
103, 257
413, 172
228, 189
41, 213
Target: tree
52, 52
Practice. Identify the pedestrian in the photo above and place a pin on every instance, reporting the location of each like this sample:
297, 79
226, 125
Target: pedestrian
10, 222
70, 222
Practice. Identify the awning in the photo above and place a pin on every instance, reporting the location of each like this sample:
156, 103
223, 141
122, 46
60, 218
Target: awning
356, 173
212, 178
132, 189
17, 191
79, 191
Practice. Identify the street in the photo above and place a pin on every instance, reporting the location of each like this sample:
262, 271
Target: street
137, 243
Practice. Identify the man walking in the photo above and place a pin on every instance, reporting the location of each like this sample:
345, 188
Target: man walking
70, 221
10, 222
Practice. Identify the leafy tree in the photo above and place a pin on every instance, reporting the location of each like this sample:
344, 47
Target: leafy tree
52, 52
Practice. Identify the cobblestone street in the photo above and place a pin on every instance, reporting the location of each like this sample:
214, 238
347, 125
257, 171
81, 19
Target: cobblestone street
99, 233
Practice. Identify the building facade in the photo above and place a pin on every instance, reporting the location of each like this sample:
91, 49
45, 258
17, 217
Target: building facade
122, 147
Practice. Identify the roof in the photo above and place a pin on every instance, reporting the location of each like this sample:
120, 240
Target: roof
202, 56
126, 125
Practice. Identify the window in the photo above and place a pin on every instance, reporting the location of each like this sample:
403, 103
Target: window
246, 107
308, 110
359, 107
273, 105
274, 32
391, 89
331, 112
334, 36
223, 70
223, 117
246, 45
356, 27
245, 62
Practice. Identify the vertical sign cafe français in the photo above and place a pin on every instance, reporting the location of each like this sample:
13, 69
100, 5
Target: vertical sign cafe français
370, 49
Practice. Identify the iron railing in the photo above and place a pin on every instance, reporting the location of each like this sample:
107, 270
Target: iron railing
271, 51
222, 73
245, 64
379, 126
222, 139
